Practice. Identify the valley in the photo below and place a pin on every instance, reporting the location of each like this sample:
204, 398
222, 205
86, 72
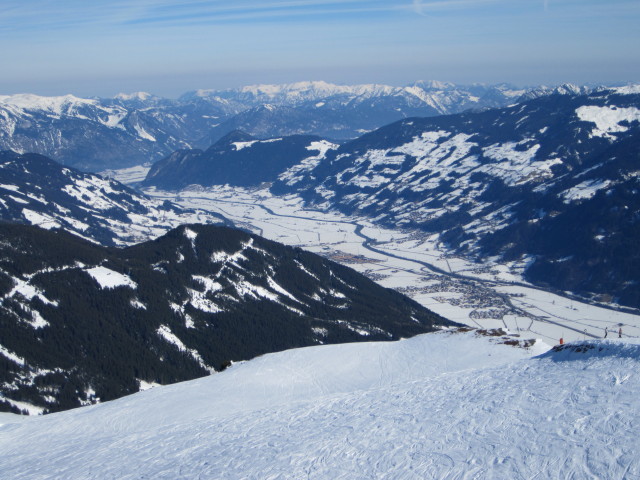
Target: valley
489, 295
321, 240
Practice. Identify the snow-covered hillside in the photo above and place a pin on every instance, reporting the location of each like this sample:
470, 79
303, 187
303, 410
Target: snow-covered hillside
550, 183
237, 159
435, 406
38, 191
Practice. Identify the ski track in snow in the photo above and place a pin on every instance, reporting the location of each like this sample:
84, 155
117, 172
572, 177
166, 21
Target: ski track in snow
434, 406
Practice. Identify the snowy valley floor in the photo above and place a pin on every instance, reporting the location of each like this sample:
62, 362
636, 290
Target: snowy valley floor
445, 405
482, 296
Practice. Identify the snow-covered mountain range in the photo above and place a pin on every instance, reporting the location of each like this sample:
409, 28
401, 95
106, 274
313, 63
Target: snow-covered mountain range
36, 190
82, 323
548, 182
445, 405
89, 133
444, 97
132, 129
551, 183
346, 111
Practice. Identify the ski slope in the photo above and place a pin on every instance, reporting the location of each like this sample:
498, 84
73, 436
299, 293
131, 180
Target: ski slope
445, 405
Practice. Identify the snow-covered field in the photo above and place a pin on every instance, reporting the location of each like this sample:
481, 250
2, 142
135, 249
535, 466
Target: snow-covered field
486, 296
444, 405
128, 176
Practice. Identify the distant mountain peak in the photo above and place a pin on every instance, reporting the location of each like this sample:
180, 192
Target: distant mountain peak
562, 89
630, 89
434, 85
29, 101
142, 96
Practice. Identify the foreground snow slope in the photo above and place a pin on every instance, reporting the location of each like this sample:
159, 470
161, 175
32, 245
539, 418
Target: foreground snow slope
435, 406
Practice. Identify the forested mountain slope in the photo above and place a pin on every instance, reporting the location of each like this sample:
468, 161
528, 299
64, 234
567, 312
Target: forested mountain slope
81, 323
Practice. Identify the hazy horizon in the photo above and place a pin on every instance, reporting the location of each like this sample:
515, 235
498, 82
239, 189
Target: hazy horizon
179, 94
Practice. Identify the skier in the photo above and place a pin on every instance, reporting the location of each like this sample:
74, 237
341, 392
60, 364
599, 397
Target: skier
620, 333
606, 332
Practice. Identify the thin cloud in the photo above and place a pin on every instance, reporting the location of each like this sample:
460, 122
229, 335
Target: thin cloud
15, 15
422, 7
19, 18
252, 11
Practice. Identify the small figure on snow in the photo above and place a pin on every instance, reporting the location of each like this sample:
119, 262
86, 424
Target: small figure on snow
606, 331
620, 333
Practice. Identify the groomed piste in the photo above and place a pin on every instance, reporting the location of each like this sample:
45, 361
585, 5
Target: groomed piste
454, 404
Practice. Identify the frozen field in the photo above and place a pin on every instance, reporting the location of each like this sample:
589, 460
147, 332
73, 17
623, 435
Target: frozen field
486, 296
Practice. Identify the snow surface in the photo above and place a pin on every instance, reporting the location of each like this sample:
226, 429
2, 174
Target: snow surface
55, 105
435, 406
129, 175
142, 96
240, 145
11, 356
628, 90
607, 119
142, 133
200, 300
166, 333
108, 278
584, 190
143, 386
295, 173
40, 219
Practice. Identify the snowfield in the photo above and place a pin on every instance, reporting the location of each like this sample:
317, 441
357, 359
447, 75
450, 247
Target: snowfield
110, 279
444, 405
128, 176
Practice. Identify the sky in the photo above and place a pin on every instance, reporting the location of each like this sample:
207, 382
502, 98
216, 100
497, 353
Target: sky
101, 48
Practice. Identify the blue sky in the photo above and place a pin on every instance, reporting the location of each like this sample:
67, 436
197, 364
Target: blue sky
98, 47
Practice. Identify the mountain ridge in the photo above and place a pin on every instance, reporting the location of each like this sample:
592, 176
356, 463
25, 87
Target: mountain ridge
518, 183
237, 159
37, 190
81, 323
132, 129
